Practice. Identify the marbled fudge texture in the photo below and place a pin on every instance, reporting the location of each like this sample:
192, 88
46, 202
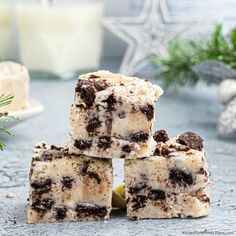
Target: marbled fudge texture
172, 183
116, 108
66, 187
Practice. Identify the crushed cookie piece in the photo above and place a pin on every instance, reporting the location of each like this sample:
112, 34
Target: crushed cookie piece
92, 76
83, 210
139, 137
93, 124
82, 144
87, 91
148, 110
156, 194
180, 177
42, 205
111, 102
42, 185
60, 212
67, 182
139, 202
161, 136
126, 148
191, 140
104, 142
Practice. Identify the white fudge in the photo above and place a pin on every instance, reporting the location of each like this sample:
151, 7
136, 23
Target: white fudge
111, 147
177, 171
66, 187
159, 204
14, 80
113, 106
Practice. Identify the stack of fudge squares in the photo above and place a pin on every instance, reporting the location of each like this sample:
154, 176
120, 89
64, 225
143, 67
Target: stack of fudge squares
113, 117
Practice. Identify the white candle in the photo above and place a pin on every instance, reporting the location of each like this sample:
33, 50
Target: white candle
61, 37
5, 31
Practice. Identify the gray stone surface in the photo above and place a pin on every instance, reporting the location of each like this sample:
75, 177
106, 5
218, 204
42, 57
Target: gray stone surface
189, 109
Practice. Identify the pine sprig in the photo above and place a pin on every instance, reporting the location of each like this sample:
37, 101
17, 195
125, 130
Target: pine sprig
5, 100
177, 68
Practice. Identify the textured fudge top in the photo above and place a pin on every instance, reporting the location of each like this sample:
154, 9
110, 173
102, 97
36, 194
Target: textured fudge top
188, 146
10, 70
93, 88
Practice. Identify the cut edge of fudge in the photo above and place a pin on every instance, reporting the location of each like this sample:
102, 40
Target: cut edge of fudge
120, 122
158, 204
140, 145
66, 187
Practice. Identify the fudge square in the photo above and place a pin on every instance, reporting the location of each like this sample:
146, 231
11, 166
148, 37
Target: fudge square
172, 183
113, 116
66, 187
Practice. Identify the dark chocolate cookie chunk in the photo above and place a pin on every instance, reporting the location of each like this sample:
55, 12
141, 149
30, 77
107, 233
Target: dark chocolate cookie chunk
91, 174
43, 185
179, 177
148, 110
87, 91
139, 202
43, 205
161, 136
53, 147
104, 142
83, 210
137, 188
82, 144
100, 85
139, 137
92, 76
67, 182
191, 140
93, 124
111, 102
60, 212
126, 148
156, 194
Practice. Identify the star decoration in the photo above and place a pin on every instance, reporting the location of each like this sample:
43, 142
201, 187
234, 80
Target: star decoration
146, 35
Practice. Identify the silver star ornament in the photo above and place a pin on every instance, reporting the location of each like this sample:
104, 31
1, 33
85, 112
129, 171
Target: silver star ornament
148, 34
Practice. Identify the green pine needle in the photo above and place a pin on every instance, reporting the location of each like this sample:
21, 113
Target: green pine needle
176, 68
5, 100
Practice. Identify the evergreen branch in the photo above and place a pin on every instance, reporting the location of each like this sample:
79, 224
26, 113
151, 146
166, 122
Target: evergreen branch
4, 101
6, 131
177, 68
2, 146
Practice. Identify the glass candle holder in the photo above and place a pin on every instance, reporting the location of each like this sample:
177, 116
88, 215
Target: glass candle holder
5, 30
59, 38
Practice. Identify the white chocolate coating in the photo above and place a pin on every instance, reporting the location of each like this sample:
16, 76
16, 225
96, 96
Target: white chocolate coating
184, 205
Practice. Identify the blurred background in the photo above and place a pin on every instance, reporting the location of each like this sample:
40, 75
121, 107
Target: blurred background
37, 28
